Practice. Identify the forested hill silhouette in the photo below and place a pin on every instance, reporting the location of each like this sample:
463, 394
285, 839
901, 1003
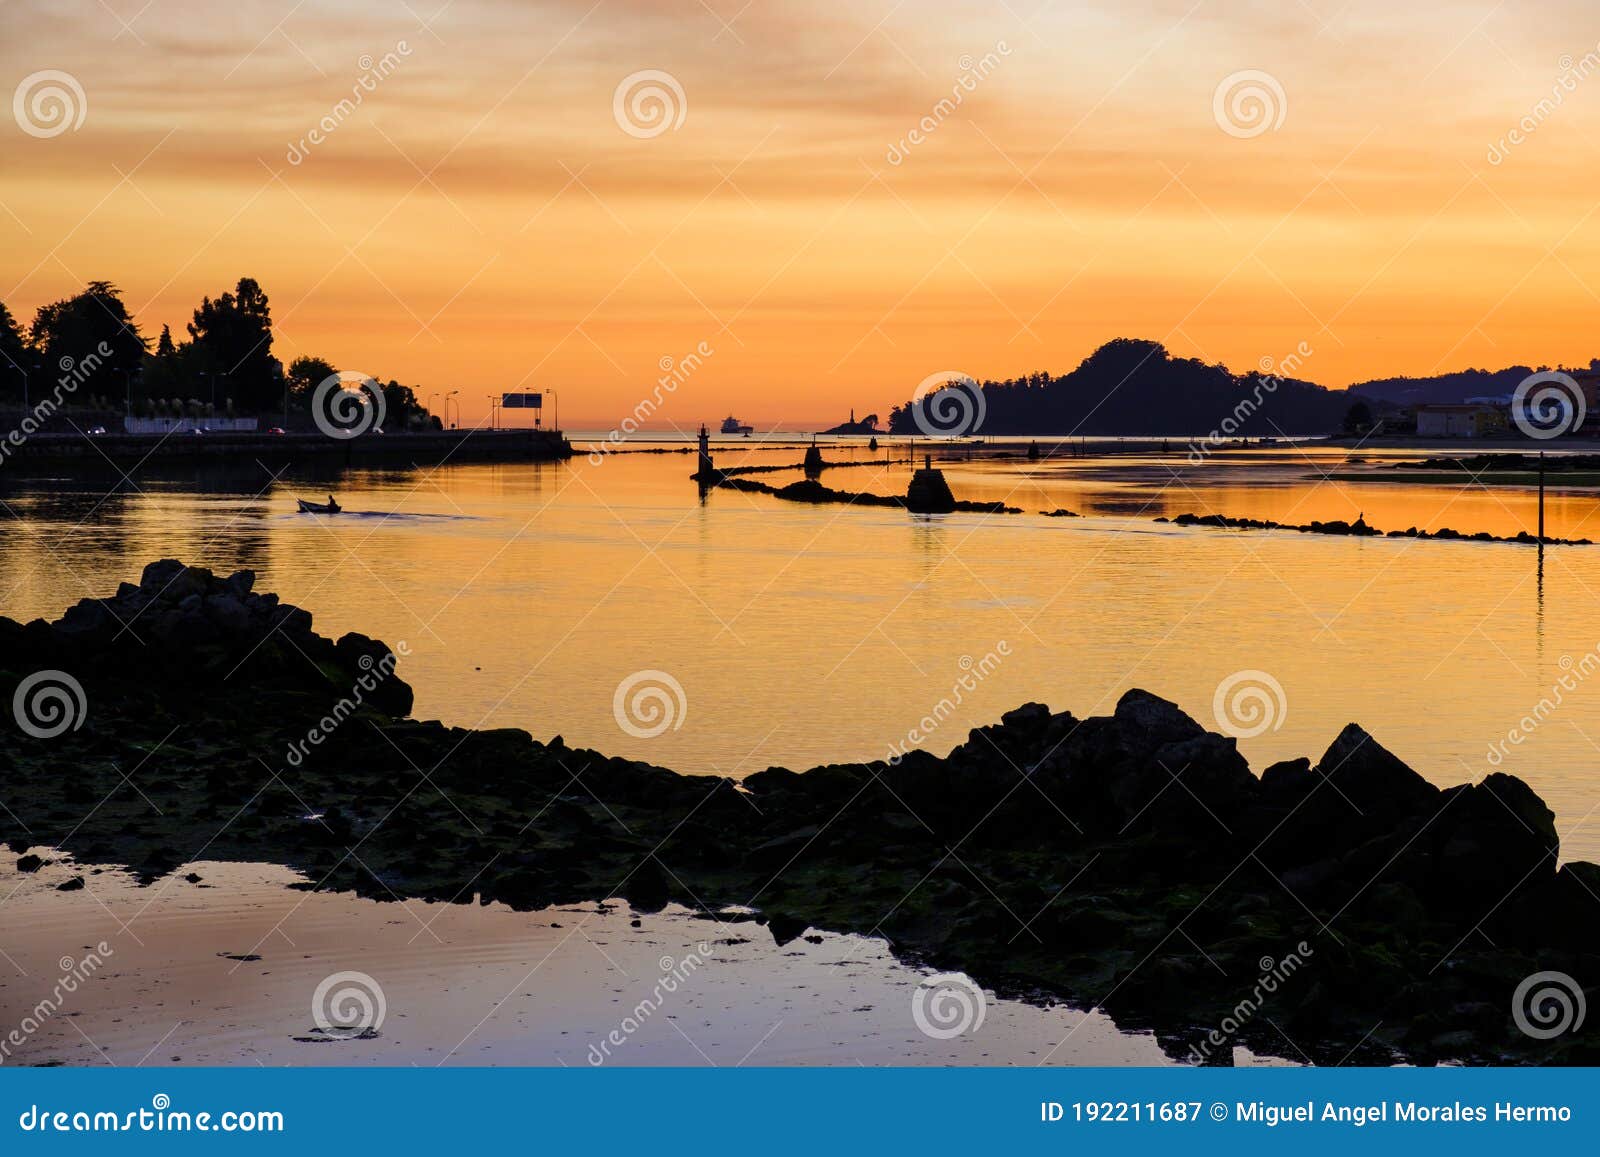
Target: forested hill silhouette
1456, 387
1131, 386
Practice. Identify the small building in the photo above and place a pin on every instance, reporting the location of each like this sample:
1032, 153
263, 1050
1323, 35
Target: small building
1459, 421
1589, 383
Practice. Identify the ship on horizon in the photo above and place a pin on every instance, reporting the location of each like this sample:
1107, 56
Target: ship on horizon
732, 425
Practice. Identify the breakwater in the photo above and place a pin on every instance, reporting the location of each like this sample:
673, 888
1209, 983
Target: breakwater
1360, 529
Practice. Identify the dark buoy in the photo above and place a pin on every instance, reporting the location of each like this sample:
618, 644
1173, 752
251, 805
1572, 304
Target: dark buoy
872, 443
813, 463
1033, 451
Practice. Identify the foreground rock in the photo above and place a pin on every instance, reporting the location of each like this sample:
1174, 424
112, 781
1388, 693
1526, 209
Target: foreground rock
1130, 862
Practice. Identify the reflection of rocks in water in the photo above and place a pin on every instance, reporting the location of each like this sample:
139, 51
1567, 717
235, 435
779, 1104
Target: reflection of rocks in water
1131, 862
317, 1036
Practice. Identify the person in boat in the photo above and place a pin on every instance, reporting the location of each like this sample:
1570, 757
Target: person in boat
332, 505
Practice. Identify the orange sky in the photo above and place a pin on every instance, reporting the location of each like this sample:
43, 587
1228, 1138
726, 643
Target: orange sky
481, 221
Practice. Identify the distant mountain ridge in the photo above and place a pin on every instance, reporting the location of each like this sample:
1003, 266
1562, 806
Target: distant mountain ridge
1132, 386
1446, 388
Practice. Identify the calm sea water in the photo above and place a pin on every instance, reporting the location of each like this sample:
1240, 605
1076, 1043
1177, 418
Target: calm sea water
800, 635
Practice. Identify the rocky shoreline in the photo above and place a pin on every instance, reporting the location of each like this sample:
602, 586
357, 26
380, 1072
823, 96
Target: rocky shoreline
1131, 862
1360, 529
812, 491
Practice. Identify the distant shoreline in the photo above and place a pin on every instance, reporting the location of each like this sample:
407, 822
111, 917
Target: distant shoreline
425, 448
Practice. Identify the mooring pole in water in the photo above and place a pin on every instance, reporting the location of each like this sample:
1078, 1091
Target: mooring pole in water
1541, 498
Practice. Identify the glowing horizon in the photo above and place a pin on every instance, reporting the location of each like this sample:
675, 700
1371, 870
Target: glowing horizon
480, 217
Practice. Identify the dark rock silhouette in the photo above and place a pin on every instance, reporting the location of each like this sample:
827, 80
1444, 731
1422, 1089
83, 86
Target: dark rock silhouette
929, 493
1359, 528
867, 425
1129, 862
810, 490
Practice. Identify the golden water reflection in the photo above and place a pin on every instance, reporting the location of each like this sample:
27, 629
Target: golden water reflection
806, 634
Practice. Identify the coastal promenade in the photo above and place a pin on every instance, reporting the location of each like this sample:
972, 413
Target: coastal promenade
426, 448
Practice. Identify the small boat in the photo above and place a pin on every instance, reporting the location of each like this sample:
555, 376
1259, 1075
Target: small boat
328, 507
732, 425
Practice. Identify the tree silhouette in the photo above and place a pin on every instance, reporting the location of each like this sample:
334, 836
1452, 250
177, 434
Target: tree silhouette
231, 344
15, 356
1133, 386
164, 372
90, 338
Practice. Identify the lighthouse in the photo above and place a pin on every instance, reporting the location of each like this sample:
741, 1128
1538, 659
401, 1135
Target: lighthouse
705, 471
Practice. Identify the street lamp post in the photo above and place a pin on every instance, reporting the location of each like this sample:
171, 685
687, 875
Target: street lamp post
447, 398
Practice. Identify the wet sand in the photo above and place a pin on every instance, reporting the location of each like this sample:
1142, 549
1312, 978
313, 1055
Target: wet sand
470, 985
